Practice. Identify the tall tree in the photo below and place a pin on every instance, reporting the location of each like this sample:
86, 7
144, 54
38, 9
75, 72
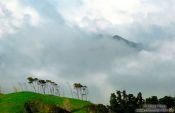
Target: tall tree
139, 99
121, 106
119, 97
77, 87
113, 102
84, 92
125, 97
48, 86
31, 82
43, 85
131, 103
57, 89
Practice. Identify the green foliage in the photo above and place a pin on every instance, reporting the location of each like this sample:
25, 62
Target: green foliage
113, 102
47, 86
121, 102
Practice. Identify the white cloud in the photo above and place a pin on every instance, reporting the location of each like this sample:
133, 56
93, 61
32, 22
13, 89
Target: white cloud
15, 15
114, 11
117, 13
149, 71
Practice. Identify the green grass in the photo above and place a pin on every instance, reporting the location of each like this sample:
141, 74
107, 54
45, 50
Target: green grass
14, 102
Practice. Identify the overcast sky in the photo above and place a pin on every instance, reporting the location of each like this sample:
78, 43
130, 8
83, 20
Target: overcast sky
71, 41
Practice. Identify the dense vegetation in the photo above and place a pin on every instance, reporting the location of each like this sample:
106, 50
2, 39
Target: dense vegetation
121, 102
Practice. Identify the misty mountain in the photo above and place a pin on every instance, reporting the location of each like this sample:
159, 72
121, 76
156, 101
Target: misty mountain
129, 43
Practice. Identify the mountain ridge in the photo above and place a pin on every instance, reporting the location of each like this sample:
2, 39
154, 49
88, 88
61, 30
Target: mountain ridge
128, 42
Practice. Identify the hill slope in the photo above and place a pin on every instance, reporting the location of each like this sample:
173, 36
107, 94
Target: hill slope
15, 102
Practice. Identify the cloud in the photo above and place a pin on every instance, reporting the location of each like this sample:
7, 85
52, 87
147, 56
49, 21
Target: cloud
59, 40
117, 12
149, 71
61, 54
112, 16
14, 15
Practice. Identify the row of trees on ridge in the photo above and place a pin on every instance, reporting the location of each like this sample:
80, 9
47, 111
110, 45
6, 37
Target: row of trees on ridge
49, 87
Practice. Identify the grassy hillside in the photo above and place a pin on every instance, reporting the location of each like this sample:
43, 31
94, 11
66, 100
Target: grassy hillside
14, 102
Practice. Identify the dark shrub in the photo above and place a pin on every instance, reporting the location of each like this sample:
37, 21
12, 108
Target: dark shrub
36, 106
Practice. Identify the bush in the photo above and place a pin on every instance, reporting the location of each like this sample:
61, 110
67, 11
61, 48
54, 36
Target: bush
36, 106
99, 108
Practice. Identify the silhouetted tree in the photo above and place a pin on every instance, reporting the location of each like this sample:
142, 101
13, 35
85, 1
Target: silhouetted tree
139, 100
168, 101
113, 102
119, 97
120, 107
131, 103
121, 102
152, 100
125, 97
